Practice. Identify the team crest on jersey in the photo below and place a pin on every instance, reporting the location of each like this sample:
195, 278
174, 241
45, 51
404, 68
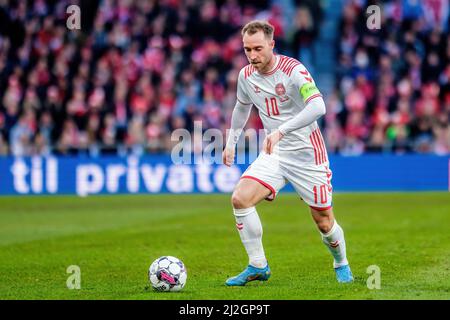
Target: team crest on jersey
257, 90
280, 90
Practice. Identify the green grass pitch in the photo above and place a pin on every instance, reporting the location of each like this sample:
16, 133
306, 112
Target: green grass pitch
113, 239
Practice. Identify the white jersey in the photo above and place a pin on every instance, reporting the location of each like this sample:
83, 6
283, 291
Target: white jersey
280, 95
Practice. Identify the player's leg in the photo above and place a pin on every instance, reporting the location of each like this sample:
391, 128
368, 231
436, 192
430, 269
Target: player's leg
261, 181
313, 184
246, 195
333, 237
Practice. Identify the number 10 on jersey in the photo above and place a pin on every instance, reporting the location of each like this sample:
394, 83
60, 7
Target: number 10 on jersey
273, 109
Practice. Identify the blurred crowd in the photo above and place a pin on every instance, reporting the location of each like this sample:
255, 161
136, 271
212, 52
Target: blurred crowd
392, 92
138, 70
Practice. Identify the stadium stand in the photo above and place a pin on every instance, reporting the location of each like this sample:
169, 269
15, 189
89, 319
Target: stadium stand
138, 70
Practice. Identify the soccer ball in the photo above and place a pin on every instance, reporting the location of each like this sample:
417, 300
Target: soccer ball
167, 273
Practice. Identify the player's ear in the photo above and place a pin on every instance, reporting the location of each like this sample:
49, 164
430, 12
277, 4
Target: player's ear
272, 44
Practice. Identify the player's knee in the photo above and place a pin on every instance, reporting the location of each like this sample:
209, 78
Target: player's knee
325, 225
239, 200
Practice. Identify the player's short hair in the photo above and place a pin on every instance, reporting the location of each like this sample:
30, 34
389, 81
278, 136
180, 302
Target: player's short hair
259, 25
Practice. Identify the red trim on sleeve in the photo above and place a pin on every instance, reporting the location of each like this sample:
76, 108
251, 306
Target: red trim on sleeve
265, 184
312, 97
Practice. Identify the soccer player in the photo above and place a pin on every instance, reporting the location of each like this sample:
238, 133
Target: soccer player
289, 103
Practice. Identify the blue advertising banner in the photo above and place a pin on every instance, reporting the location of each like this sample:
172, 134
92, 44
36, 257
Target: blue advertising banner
157, 174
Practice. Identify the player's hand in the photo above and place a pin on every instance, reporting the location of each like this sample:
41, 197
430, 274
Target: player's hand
228, 156
271, 140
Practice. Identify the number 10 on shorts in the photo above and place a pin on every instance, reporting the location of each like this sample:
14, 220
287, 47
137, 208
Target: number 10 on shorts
323, 194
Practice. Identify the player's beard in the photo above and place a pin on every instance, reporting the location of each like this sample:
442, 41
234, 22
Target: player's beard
263, 67
259, 66
256, 65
